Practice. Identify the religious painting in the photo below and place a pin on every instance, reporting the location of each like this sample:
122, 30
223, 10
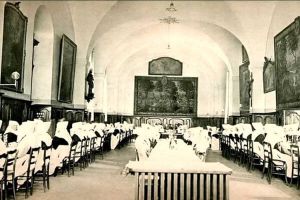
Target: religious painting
13, 48
176, 96
245, 87
67, 70
165, 66
269, 75
287, 63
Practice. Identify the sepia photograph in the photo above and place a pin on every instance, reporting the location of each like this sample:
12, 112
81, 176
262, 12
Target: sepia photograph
150, 100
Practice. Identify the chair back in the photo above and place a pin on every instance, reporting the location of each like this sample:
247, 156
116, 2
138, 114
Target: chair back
72, 152
82, 147
295, 153
3, 161
250, 146
87, 145
267, 153
33, 156
92, 143
11, 160
47, 153
244, 144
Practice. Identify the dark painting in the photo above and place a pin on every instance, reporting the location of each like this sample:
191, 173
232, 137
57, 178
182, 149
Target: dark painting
13, 49
245, 57
287, 62
269, 76
165, 66
165, 96
67, 69
245, 87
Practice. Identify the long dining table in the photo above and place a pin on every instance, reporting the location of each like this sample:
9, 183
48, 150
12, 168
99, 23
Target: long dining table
176, 172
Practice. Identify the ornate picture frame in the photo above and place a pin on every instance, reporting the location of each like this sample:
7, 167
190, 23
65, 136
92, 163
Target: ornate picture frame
245, 87
165, 66
168, 96
287, 62
269, 76
14, 46
66, 70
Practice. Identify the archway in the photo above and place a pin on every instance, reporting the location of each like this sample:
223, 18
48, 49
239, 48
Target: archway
43, 36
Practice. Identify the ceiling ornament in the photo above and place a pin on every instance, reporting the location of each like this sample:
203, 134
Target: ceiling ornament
171, 19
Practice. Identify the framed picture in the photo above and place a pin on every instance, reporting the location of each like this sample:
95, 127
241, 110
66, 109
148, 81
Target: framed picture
245, 57
13, 48
287, 62
165, 66
245, 87
66, 70
176, 96
269, 76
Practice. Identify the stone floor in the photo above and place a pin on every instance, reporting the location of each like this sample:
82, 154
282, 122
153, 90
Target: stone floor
103, 180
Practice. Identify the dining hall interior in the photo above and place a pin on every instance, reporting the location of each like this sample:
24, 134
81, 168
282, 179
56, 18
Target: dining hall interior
153, 100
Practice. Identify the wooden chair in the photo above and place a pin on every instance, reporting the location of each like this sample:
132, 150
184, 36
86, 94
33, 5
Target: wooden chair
295, 164
70, 160
223, 144
9, 172
227, 147
273, 166
44, 173
233, 151
3, 161
244, 152
86, 152
99, 148
91, 150
29, 176
80, 154
253, 159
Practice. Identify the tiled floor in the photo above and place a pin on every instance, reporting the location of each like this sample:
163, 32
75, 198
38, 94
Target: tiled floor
103, 180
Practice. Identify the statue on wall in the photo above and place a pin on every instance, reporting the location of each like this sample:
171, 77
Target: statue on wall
90, 79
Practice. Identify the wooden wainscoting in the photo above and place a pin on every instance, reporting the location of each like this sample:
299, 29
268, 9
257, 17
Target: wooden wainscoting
264, 118
164, 120
14, 109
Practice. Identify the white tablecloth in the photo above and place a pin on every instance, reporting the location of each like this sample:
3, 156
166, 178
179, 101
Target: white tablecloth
181, 152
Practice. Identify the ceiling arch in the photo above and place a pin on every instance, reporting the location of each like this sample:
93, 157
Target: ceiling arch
122, 26
107, 48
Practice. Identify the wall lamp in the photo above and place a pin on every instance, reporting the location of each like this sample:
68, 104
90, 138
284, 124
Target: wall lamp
15, 76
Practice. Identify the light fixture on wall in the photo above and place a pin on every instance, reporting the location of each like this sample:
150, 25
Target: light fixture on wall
15, 76
170, 20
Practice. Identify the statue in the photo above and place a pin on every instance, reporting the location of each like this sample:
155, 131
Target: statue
90, 80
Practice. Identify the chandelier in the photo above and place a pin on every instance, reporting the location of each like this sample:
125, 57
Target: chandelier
170, 20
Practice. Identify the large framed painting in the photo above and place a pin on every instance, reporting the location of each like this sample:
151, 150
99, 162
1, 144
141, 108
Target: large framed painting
13, 47
245, 87
165, 66
176, 96
287, 64
66, 70
269, 75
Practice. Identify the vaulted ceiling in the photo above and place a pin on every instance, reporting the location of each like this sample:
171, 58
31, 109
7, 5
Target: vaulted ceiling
125, 35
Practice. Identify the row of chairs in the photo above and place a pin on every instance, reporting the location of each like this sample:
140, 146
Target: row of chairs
81, 154
241, 150
9, 181
86, 152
